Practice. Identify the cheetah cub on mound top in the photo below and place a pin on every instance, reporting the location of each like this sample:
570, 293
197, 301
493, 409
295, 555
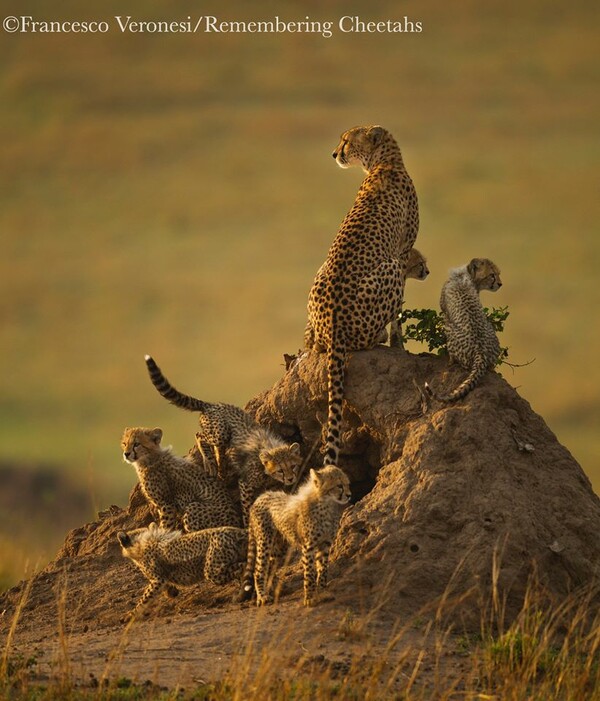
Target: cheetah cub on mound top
416, 269
230, 438
176, 486
170, 558
307, 520
471, 338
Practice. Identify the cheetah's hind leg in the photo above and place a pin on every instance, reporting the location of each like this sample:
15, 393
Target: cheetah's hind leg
220, 567
382, 291
207, 451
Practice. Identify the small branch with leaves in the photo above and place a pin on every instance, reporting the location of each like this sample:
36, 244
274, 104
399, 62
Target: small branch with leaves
427, 326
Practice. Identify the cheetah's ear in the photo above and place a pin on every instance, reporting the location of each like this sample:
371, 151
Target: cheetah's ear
375, 134
315, 476
472, 267
156, 435
295, 447
123, 539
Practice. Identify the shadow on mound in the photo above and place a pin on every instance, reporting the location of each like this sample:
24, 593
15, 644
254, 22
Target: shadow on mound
466, 499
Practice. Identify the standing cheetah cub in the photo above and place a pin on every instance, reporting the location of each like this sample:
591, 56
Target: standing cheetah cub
170, 558
471, 338
176, 486
307, 520
358, 290
229, 437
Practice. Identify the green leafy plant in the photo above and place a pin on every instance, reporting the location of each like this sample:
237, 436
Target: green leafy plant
427, 326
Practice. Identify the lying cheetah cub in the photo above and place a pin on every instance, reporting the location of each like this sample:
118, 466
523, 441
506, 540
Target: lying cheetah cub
307, 520
176, 486
471, 338
230, 438
170, 558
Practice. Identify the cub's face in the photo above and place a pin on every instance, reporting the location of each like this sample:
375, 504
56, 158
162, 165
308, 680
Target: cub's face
485, 274
416, 266
282, 463
137, 442
357, 144
332, 483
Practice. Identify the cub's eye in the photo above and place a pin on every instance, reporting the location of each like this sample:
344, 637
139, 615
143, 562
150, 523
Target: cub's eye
136, 445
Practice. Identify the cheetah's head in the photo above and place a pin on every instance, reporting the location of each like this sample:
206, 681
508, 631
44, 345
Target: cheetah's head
331, 483
134, 544
138, 442
358, 144
282, 462
416, 266
485, 274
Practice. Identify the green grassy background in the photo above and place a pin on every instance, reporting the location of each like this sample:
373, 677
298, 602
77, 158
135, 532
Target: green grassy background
176, 194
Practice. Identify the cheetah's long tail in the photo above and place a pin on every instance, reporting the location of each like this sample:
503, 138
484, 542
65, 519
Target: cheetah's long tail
166, 389
336, 363
248, 578
469, 383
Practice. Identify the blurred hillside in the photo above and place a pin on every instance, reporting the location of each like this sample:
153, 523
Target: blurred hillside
175, 194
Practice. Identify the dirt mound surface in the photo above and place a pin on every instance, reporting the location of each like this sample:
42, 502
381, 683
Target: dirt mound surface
453, 501
442, 495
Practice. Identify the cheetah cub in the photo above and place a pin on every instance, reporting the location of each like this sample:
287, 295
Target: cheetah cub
230, 439
176, 486
471, 338
416, 269
170, 558
307, 520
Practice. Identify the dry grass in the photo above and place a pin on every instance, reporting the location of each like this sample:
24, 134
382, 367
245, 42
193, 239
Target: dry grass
550, 651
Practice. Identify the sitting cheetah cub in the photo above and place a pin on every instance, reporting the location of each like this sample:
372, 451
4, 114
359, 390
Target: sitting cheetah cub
416, 269
471, 338
230, 438
307, 520
176, 486
170, 558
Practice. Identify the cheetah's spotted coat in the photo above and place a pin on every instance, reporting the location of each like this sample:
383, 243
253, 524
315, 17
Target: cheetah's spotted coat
359, 288
471, 339
230, 439
176, 487
307, 520
170, 558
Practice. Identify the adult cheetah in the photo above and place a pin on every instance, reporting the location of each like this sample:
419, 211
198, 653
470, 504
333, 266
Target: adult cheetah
359, 288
